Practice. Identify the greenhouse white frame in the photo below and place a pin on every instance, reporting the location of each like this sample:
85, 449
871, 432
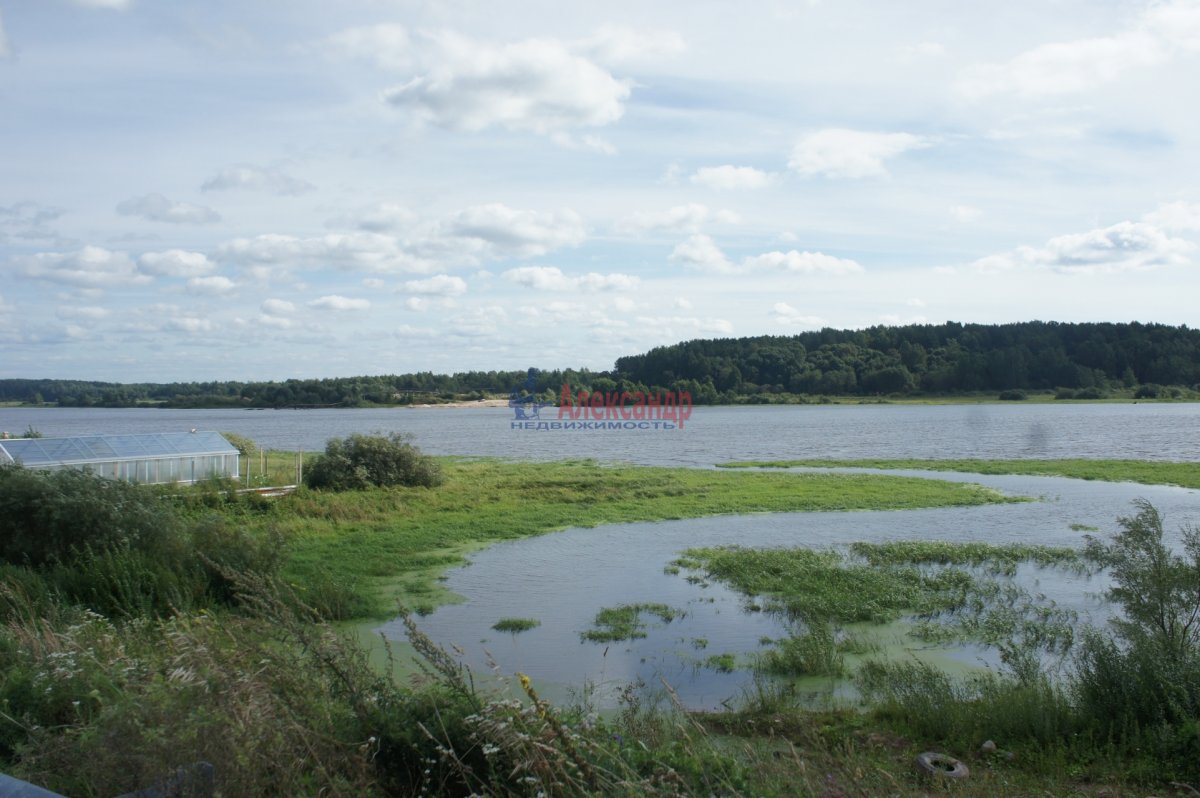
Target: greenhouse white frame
151, 458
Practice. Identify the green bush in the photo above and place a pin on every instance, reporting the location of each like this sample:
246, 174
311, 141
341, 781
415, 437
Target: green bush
58, 516
122, 549
1149, 677
1012, 396
363, 461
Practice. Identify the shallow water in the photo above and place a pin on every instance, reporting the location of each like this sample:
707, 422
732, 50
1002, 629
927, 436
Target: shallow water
563, 579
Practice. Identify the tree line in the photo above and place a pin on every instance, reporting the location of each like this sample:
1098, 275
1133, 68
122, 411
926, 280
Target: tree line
1086, 360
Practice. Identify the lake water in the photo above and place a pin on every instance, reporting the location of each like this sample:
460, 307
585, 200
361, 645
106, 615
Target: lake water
563, 579
711, 435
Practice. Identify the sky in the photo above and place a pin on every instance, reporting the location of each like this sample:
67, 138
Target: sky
265, 189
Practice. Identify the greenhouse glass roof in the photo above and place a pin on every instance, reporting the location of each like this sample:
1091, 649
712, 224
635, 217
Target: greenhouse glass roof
34, 452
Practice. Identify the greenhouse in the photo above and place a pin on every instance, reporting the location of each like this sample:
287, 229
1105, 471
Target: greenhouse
155, 457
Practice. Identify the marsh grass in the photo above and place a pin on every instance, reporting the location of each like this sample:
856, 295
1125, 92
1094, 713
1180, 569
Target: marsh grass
993, 558
945, 593
726, 662
814, 586
626, 622
1146, 472
516, 625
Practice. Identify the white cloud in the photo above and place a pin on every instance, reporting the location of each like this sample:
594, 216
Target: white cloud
256, 178
585, 143
839, 152
416, 303
921, 50
1063, 67
802, 262
702, 253
1080, 65
157, 208
277, 307
616, 45
438, 285
486, 321
677, 327
385, 217
1177, 23
536, 85
1176, 216
788, 316
89, 267
216, 284
176, 263
190, 324
371, 252
729, 177
550, 278
896, 320
276, 321
689, 218
386, 45
408, 331
115, 5
86, 313
965, 213
1125, 246
492, 231
28, 220
509, 231
339, 303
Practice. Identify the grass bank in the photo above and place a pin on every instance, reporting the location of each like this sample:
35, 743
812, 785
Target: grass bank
1146, 472
355, 554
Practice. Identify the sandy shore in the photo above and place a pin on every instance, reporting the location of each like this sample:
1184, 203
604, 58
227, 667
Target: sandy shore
476, 403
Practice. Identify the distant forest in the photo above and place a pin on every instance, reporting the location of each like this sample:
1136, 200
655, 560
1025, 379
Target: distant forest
1075, 360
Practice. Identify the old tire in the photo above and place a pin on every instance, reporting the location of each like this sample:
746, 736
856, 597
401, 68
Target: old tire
942, 765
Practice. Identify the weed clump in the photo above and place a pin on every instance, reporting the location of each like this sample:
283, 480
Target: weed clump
625, 622
516, 625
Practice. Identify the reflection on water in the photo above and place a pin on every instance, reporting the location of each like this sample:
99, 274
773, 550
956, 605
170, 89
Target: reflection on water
564, 579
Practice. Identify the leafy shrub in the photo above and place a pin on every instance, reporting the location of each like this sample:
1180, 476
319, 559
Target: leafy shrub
1012, 396
121, 549
1066, 393
1090, 393
1148, 678
364, 461
58, 516
1147, 391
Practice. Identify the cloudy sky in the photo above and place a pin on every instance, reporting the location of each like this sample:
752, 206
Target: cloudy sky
254, 189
